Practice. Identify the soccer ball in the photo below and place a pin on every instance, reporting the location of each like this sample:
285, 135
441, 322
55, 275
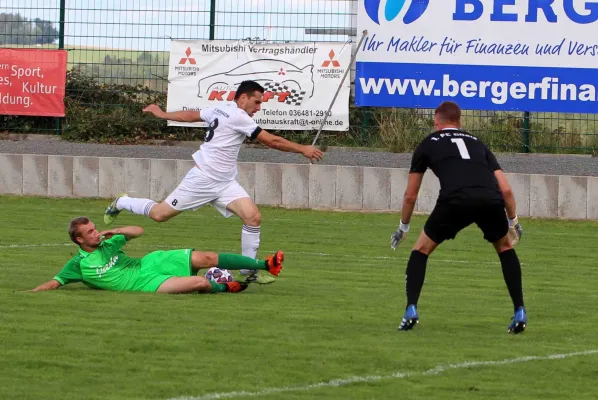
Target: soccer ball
218, 275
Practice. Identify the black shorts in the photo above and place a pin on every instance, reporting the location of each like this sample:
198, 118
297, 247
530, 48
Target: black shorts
447, 220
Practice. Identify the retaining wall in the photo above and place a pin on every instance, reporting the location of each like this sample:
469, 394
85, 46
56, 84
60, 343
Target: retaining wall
288, 185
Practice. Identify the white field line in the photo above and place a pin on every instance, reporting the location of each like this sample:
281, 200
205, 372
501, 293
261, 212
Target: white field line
26, 246
304, 253
376, 378
344, 222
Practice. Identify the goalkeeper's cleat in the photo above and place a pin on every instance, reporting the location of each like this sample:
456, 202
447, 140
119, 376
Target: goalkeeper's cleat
518, 321
112, 212
409, 319
235, 286
274, 263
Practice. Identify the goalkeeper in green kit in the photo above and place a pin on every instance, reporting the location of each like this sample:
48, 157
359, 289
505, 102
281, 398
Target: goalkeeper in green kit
101, 264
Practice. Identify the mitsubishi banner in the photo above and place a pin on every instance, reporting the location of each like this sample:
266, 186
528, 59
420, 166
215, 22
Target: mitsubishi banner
300, 80
527, 55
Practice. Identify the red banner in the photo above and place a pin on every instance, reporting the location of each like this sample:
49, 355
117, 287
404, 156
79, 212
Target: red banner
32, 82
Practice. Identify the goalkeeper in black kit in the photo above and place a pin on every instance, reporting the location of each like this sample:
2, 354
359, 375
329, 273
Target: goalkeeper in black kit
473, 189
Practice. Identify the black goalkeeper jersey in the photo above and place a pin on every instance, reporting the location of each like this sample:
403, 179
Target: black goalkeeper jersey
464, 166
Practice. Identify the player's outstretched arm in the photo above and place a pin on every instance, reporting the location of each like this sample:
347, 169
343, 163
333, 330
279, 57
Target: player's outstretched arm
279, 143
507, 193
515, 229
180, 116
130, 232
50, 285
413, 184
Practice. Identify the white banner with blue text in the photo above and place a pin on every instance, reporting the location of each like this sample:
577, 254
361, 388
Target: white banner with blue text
509, 55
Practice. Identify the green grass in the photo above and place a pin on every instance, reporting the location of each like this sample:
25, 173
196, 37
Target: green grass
332, 314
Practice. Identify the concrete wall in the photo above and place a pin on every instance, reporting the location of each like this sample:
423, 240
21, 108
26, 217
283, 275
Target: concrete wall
289, 185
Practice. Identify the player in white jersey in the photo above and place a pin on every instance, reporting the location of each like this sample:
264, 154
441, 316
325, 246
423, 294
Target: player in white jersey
213, 179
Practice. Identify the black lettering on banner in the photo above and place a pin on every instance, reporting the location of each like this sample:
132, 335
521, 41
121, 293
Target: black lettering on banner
210, 131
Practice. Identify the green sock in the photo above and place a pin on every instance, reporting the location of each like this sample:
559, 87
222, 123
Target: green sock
218, 287
236, 261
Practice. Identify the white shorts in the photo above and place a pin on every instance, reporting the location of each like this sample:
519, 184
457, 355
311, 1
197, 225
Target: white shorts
196, 190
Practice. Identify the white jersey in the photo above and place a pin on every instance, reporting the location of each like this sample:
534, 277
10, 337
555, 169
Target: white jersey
229, 127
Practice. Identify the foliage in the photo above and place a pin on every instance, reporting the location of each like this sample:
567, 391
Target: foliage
16, 29
104, 102
112, 113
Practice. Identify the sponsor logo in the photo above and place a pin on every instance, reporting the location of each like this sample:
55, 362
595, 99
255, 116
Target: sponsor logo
416, 9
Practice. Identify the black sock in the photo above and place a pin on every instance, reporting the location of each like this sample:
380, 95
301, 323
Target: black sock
415, 275
511, 271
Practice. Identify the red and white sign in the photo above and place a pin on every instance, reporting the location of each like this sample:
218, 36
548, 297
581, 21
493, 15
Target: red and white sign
32, 82
300, 80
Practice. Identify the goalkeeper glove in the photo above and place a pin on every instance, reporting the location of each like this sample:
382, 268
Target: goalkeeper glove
399, 235
515, 230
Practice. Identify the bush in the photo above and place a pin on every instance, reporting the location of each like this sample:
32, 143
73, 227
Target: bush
402, 129
107, 113
111, 113
99, 111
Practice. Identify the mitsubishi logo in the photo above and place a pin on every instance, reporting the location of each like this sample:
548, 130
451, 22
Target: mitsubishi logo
188, 58
335, 64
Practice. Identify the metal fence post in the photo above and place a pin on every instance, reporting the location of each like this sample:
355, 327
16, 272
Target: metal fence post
526, 141
365, 124
212, 19
60, 46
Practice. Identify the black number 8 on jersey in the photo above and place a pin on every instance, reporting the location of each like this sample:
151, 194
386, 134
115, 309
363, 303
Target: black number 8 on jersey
210, 131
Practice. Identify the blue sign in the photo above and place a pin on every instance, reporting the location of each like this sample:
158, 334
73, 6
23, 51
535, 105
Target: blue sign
527, 55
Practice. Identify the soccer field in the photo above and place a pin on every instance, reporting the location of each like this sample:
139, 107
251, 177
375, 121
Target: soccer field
327, 328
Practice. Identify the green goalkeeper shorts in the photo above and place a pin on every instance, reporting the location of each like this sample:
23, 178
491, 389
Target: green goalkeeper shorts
158, 266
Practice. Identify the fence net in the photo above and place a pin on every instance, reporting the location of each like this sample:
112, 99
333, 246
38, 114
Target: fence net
119, 50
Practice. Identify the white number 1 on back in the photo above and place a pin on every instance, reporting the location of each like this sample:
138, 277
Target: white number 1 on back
462, 148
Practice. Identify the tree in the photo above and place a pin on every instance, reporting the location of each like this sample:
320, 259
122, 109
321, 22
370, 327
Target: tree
16, 29
147, 58
45, 32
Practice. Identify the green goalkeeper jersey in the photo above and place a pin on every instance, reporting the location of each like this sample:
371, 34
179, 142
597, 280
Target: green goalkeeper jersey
107, 267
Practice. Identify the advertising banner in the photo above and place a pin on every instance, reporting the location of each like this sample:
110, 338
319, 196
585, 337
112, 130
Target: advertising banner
32, 82
526, 55
300, 80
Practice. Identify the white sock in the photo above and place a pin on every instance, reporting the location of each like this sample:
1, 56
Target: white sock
250, 243
136, 206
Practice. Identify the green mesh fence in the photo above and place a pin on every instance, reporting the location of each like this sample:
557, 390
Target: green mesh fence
126, 43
